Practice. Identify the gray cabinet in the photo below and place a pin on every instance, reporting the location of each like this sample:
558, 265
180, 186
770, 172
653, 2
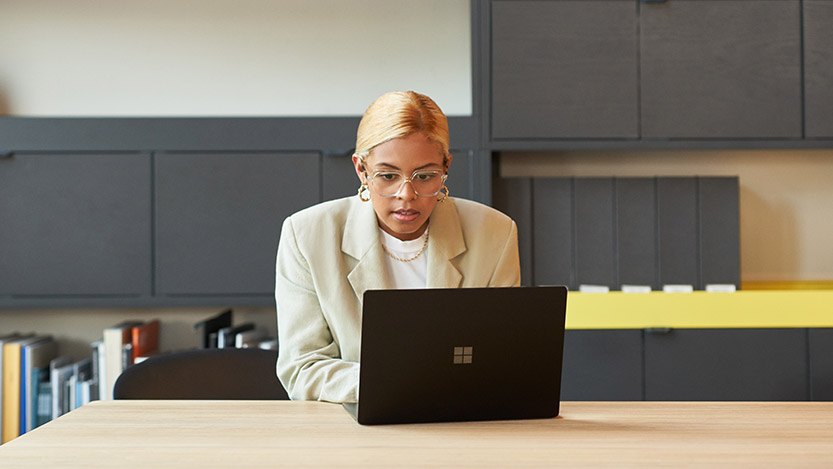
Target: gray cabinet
727, 69
726, 364
818, 67
602, 365
75, 224
564, 69
680, 69
218, 218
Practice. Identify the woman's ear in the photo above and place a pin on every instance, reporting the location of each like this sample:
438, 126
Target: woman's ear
357, 164
448, 162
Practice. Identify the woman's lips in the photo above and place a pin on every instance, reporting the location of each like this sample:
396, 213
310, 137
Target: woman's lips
405, 215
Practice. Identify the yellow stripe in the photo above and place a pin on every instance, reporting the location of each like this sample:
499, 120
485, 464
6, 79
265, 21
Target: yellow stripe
795, 285
742, 309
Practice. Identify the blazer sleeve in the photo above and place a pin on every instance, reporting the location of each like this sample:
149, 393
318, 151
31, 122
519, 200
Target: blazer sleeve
309, 361
507, 271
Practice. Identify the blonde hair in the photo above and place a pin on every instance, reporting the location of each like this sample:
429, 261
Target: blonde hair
398, 114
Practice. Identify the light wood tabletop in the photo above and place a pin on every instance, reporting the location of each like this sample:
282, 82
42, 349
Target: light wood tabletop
283, 433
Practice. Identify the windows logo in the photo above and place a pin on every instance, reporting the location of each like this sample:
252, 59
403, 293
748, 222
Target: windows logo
462, 355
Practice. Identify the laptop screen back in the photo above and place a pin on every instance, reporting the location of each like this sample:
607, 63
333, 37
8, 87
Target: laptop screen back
435, 355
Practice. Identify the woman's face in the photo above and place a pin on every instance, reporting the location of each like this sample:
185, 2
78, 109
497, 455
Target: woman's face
404, 215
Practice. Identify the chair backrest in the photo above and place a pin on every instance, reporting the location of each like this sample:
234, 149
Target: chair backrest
228, 373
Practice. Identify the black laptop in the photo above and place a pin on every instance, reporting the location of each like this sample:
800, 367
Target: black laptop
460, 354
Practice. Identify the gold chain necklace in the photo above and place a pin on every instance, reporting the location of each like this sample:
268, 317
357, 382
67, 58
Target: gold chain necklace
424, 244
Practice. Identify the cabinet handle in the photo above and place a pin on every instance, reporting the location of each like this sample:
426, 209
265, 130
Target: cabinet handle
6, 155
657, 330
653, 1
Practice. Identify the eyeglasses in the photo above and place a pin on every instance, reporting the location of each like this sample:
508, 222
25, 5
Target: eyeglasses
426, 183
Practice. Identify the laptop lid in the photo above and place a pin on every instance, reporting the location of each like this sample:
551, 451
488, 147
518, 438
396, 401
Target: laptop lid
459, 354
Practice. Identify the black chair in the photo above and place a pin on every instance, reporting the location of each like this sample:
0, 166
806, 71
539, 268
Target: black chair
220, 374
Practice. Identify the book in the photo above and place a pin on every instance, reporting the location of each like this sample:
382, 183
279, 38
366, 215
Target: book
208, 328
97, 357
115, 338
80, 383
11, 386
59, 371
34, 368
3, 340
145, 339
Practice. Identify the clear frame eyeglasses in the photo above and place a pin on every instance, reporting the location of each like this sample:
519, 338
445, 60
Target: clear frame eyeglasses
426, 182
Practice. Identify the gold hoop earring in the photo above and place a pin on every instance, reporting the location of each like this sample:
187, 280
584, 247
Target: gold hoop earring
445, 194
362, 189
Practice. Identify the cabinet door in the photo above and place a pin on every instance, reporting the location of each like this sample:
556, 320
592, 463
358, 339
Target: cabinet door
602, 365
821, 366
727, 69
75, 224
818, 67
726, 365
564, 69
219, 216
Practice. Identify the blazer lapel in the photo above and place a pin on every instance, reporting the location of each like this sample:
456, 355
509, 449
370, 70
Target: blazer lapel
445, 242
361, 241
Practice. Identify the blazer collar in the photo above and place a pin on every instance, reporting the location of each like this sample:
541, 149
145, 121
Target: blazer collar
361, 241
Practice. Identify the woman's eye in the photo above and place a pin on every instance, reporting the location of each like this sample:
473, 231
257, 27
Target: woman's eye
426, 177
388, 176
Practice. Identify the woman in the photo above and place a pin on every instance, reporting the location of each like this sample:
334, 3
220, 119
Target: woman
400, 231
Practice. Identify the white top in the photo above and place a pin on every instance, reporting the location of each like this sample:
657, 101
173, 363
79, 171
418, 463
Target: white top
405, 275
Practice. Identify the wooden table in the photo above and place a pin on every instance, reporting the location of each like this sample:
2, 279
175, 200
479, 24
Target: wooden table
274, 433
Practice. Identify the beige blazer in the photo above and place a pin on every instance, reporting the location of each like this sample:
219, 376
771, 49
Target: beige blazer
329, 254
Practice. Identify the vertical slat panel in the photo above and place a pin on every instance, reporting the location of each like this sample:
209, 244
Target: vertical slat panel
636, 231
595, 259
719, 230
552, 213
677, 220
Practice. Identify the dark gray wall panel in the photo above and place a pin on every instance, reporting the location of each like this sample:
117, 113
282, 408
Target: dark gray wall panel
818, 68
602, 365
75, 224
564, 69
218, 218
595, 237
637, 231
727, 69
513, 196
553, 232
726, 364
677, 221
338, 176
719, 230
821, 364
460, 174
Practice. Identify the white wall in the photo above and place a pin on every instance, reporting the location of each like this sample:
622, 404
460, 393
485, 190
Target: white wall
786, 198
229, 57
